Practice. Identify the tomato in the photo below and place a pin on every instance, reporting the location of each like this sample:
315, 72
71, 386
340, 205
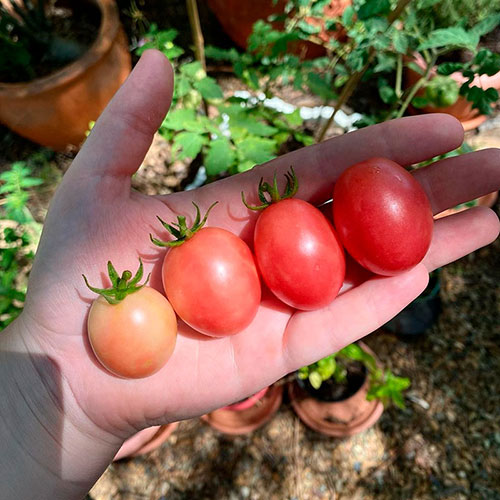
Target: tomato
135, 338
132, 328
299, 254
383, 216
212, 282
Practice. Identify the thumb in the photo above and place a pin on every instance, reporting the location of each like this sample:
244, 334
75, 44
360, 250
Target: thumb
123, 133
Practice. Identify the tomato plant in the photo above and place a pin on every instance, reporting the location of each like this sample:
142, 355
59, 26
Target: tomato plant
210, 277
298, 252
132, 328
383, 216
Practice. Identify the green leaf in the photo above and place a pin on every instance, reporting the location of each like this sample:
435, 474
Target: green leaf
315, 380
209, 89
220, 156
450, 37
244, 166
373, 8
400, 41
294, 119
486, 25
357, 58
184, 119
307, 28
193, 70
448, 68
319, 85
219, 54
348, 16
386, 92
420, 102
256, 149
482, 99
188, 144
182, 85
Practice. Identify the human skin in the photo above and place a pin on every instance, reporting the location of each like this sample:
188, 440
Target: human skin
62, 415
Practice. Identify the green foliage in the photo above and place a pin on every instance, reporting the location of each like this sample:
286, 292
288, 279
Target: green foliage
27, 36
372, 55
240, 132
19, 234
384, 385
16, 181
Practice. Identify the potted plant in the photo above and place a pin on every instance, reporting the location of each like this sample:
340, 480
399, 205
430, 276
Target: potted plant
145, 441
249, 414
344, 393
51, 83
238, 18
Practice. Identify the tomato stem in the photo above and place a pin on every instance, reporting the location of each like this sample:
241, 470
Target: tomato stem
272, 191
180, 230
121, 286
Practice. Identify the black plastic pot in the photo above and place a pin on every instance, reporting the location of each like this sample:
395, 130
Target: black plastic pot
416, 318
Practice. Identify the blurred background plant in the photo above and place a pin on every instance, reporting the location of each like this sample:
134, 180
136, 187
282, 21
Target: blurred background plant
19, 236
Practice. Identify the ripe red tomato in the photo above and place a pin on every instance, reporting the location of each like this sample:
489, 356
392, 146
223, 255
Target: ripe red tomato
299, 254
136, 337
383, 216
212, 282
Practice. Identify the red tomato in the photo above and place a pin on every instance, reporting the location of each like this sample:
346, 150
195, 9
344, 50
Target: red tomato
383, 216
299, 254
135, 337
212, 282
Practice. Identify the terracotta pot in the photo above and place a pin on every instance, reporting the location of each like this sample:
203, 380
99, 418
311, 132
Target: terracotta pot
55, 110
462, 108
145, 441
338, 418
487, 200
240, 418
237, 17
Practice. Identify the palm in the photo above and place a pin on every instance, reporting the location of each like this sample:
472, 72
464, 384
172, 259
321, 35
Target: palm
95, 218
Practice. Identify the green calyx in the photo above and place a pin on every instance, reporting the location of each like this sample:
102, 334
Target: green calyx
121, 286
269, 193
180, 230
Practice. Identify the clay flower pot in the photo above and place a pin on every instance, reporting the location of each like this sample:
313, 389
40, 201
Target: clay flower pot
338, 418
145, 441
237, 17
487, 200
462, 108
247, 415
55, 110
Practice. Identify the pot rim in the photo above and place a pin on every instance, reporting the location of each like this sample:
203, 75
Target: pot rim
101, 45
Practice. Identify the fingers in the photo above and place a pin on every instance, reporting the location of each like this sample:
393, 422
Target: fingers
123, 133
456, 180
312, 335
458, 235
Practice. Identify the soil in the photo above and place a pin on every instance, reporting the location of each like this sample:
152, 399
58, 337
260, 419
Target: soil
330, 390
77, 22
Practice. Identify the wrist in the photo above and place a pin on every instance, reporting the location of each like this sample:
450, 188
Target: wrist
48, 444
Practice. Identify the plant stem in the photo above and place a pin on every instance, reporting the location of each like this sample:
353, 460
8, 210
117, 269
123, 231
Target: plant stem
417, 87
399, 75
355, 78
198, 41
197, 34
